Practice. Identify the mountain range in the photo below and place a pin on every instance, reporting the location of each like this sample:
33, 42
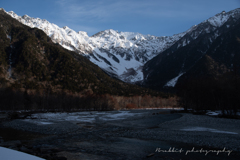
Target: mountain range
155, 62
30, 60
120, 54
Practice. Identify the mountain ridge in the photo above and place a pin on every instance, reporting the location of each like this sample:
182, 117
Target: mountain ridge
123, 55
126, 46
177, 60
29, 60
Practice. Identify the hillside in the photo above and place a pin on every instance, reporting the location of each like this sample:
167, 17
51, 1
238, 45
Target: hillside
32, 60
33, 64
135, 58
217, 40
120, 54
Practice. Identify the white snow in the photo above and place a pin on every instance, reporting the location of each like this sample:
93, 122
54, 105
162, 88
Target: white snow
141, 48
38, 122
203, 129
9, 154
213, 113
68, 48
219, 19
120, 68
218, 112
9, 37
184, 43
173, 81
50, 118
119, 116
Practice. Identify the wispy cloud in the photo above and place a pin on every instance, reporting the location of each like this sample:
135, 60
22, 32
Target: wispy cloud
138, 14
83, 10
110, 9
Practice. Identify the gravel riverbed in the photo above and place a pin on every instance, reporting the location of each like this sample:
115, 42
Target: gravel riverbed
133, 137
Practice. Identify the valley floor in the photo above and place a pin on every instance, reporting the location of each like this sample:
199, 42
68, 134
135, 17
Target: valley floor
132, 134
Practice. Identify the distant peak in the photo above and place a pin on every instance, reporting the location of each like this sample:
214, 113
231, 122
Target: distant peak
83, 33
25, 16
11, 12
111, 31
66, 27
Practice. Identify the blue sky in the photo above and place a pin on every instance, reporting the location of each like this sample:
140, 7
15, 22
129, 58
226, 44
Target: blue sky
154, 17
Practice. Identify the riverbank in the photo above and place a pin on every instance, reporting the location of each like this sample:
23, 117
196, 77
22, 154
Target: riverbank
132, 134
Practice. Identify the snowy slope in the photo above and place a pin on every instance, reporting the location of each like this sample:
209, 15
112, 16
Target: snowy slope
119, 53
165, 69
122, 54
173, 81
219, 19
64, 36
208, 26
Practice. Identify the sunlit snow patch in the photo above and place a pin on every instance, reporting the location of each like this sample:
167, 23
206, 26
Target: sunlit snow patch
7, 154
118, 116
90, 117
9, 37
173, 81
215, 113
203, 129
38, 122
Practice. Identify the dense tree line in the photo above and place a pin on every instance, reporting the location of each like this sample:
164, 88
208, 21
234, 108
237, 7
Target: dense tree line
46, 100
208, 93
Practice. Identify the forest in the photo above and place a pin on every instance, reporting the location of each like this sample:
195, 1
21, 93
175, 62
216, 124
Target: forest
208, 93
31, 100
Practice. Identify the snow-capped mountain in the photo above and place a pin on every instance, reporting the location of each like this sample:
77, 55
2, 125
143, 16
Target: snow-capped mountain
175, 62
123, 54
208, 26
65, 36
30, 61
